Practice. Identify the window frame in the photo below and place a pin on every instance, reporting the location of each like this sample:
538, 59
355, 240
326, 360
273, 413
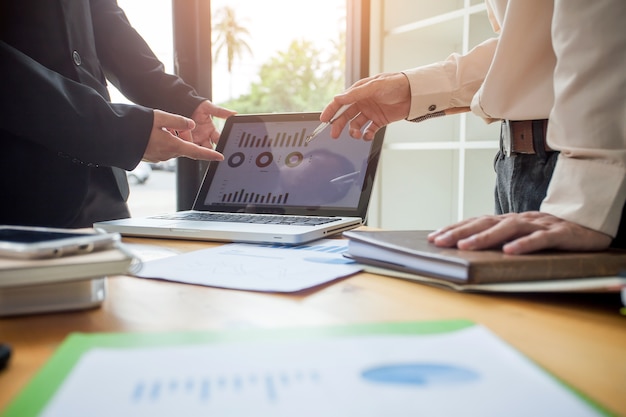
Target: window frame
191, 20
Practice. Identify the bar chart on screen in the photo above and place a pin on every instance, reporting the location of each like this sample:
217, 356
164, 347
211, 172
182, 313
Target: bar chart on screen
278, 140
244, 196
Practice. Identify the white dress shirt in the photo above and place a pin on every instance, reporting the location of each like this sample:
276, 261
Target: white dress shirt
562, 60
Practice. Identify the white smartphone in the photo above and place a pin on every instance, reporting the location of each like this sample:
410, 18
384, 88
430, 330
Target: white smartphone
44, 242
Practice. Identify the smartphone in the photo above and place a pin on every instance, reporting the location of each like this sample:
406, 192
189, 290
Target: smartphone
45, 242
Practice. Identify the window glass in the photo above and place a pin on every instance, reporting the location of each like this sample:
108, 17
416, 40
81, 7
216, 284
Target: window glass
268, 56
153, 21
152, 186
277, 55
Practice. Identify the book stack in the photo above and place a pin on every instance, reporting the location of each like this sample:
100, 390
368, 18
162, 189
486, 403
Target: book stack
408, 254
58, 284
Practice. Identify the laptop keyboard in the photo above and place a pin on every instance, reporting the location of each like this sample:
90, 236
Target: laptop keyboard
249, 218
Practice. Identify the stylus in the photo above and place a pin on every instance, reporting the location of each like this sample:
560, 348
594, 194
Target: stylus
345, 178
324, 125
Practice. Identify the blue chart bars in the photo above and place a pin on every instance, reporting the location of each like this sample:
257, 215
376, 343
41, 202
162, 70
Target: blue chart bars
267, 152
209, 388
281, 139
243, 196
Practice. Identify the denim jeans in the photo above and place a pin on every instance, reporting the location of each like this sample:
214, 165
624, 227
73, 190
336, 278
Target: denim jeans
522, 182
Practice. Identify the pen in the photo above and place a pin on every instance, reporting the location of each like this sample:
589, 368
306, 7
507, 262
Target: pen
324, 125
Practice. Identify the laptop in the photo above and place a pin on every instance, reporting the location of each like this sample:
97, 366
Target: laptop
273, 186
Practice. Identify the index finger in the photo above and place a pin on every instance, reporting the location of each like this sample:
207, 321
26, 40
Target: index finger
172, 122
193, 151
221, 112
330, 110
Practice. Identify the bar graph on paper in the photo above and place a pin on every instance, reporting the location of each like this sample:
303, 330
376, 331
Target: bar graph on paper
325, 248
386, 374
267, 386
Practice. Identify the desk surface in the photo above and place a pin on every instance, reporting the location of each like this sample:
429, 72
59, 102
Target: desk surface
579, 338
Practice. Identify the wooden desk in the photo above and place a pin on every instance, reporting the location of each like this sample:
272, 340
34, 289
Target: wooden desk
579, 338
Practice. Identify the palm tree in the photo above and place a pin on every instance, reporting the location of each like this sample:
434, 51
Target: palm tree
230, 37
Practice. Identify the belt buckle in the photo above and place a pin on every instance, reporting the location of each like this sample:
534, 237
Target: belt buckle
505, 138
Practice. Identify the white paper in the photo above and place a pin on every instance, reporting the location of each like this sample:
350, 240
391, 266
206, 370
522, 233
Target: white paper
242, 266
468, 372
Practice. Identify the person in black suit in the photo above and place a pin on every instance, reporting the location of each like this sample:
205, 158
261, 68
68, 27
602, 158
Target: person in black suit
64, 145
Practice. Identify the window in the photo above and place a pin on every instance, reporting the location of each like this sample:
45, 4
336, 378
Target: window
439, 171
268, 56
277, 55
152, 186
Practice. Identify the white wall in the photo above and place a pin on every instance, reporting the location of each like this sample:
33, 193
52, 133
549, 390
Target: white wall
438, 171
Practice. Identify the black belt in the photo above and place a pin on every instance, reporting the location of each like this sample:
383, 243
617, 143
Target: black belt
524, 136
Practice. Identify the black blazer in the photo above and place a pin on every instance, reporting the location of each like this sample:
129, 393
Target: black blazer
57, 126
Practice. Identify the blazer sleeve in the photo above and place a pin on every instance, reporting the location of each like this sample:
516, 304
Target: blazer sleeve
71, 119
130, 64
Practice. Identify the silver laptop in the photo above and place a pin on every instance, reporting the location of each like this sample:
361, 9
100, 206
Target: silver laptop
272, 186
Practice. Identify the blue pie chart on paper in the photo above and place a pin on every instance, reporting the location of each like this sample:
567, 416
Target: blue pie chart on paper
420, 374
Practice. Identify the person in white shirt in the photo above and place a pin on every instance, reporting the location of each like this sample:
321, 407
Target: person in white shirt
555, 77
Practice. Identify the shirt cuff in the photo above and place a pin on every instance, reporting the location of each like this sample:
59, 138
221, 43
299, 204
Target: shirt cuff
587, 192
431, 96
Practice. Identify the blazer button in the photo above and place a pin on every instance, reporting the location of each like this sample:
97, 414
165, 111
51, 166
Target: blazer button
432, 107
76, 58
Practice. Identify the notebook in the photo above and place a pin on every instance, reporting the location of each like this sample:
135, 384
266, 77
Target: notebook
273, 186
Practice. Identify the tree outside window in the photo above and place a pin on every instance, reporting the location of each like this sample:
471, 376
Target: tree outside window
278, 55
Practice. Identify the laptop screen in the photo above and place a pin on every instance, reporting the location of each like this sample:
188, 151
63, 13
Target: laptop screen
269, 168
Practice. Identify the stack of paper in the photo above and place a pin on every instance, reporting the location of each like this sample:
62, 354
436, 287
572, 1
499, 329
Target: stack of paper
65, 283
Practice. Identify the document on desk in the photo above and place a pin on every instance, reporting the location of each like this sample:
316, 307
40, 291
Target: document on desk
400, 369
241, 266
